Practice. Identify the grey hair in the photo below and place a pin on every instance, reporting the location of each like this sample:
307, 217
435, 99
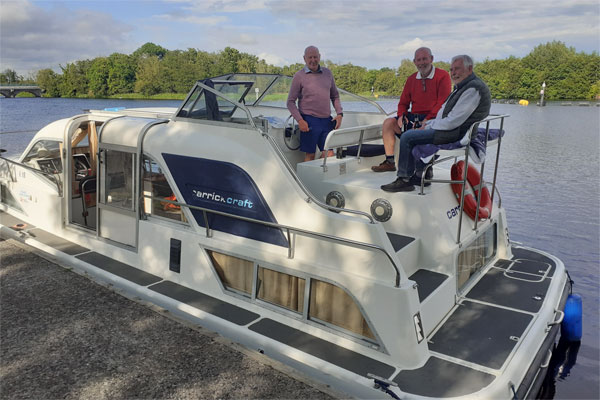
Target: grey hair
311, 48
467, 60
427, 49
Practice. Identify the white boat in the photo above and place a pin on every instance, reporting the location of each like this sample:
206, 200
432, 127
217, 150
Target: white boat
209, 211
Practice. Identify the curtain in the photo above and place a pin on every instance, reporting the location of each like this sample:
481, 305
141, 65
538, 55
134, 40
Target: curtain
234, 272
281, 289
332, 304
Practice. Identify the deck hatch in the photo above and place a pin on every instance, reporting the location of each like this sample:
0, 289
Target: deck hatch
344, 358
120, 269
451, 380
480, 334
56, 242
511, 289
206, 303
529, 257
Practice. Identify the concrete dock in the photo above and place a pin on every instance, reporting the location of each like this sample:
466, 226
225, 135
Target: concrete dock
65, 336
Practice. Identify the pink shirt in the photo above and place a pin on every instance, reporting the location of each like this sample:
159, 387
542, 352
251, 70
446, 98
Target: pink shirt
314, 91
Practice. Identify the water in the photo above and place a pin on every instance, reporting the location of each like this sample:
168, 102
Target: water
548, 179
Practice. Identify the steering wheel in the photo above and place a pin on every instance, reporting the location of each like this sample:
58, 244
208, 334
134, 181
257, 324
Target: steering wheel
291, 134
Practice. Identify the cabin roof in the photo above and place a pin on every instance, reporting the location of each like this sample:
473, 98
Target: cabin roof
125, 131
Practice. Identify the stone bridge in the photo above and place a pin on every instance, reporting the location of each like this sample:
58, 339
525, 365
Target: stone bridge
12, 91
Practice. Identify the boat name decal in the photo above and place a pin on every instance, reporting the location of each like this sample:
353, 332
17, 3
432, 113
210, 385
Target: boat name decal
214, 196
453, 212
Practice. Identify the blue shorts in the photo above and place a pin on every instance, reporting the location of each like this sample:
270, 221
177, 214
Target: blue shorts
318, 130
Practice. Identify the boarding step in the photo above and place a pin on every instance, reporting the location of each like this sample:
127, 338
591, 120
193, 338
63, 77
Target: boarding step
406, 248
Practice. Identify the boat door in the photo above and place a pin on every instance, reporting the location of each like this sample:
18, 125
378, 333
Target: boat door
119, 153
80, 153
117, 208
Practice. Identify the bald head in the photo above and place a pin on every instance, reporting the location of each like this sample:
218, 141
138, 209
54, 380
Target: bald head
312, 57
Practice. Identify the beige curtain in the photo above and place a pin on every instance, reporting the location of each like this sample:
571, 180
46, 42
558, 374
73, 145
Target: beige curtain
281, 289
332, 304
234, 272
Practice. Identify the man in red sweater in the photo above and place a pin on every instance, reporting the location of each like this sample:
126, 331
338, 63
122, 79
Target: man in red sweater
424, 92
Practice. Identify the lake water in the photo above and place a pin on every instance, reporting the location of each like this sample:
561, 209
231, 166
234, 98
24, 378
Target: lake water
548, 179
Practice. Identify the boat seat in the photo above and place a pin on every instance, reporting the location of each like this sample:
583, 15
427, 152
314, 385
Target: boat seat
477, 145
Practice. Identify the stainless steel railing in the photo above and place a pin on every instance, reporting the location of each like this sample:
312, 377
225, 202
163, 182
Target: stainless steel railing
463, 182
288, 229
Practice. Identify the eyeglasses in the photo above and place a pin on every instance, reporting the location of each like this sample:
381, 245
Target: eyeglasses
423, 81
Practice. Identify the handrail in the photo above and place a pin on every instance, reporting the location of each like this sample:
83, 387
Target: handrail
310, 196
367, 133
50, 176
463, 182
344, 241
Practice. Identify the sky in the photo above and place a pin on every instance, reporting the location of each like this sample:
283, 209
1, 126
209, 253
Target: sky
370, 33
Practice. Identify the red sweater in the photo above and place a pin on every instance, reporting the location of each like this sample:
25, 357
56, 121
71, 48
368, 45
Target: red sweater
428, 101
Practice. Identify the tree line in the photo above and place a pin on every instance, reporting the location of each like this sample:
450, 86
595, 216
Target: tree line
152, 70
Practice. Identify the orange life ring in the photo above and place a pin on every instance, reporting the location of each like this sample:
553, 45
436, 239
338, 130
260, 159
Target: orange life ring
471, 190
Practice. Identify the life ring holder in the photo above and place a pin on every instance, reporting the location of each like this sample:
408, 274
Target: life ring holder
472, 191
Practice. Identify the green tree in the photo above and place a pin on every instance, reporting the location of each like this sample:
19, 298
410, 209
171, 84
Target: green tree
121, 74
97, 76
149, 49
228, 61
10, 76
49, 81
74, 79
350, 77
385, 81
148, 76
246, 63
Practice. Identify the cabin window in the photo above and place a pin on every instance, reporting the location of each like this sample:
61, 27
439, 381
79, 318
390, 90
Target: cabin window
281, 289
236, 274
45, 156
119, 179
331, 304
476, 255
157, 192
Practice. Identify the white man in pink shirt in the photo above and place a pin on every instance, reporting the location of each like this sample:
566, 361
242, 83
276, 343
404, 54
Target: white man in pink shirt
314, 87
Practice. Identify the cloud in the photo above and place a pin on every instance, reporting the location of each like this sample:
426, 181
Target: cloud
370, 33
274, 59
194, 19
32, 38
